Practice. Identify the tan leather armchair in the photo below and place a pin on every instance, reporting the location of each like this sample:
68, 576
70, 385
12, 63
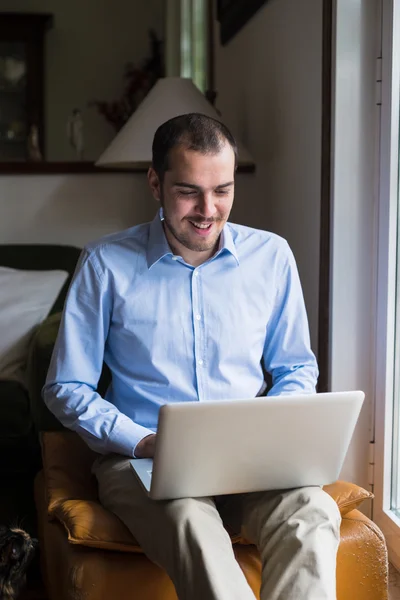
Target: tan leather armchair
87, 553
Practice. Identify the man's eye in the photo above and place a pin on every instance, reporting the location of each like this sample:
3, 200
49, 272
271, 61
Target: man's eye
187, 193
222, 192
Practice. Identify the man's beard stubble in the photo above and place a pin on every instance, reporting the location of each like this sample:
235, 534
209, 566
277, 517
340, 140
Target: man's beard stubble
202, 246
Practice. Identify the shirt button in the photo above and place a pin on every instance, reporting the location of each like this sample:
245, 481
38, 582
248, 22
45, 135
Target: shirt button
198, 317
200, 362
175, 257
196, 273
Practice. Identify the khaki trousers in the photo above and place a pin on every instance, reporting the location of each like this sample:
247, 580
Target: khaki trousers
296, 532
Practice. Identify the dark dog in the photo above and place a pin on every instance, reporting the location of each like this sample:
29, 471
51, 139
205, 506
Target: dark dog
16, 552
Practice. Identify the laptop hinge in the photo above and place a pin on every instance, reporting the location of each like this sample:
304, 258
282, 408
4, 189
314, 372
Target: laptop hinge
371, 465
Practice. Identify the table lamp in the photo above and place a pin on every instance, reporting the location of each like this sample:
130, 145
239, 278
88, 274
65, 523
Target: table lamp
168, 98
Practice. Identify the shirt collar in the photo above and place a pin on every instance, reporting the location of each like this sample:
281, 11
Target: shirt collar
158, 247
227, 242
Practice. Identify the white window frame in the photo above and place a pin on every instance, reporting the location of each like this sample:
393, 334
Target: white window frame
387, 219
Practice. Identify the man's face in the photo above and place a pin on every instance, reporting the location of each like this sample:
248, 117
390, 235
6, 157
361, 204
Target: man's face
196, 196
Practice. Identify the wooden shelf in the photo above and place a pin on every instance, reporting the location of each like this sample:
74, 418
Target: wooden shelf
83, 167
16, 140
59, 168
12, 90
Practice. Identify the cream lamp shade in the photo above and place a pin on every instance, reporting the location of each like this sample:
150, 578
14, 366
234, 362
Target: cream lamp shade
168, 98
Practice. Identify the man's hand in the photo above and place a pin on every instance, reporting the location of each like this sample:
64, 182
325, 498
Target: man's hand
146, 447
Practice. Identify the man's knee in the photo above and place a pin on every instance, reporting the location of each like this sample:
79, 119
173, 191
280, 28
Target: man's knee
185, 510
317, 506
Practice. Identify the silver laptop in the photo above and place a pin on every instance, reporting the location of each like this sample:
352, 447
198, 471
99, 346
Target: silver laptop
229, 447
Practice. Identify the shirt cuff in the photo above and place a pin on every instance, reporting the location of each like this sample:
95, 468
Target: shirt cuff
125, 436
136, 445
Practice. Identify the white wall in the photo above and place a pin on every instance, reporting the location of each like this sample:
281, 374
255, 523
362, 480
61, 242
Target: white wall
72, 209
269, 81
354, 185
86, 52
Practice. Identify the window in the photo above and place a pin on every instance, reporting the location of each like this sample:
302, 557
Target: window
187, 40
395, 457
386, 510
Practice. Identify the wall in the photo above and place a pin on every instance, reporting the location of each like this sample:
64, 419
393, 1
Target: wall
354, 194
73, 209
86, 51
269, 79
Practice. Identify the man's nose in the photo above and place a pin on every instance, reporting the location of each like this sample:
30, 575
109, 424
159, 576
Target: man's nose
206, 206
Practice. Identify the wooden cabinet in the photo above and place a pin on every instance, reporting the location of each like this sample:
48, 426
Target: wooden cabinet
22, 39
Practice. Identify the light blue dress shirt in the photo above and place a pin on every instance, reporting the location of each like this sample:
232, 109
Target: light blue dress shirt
170, 332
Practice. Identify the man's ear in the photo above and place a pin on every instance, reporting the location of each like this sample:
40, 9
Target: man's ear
154, 183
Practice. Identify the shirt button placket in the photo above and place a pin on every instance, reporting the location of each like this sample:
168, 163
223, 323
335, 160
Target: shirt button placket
198, 333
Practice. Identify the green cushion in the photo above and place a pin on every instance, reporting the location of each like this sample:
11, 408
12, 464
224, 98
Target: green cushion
38, 363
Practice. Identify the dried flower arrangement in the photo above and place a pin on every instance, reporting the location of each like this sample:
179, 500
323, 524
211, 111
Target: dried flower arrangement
138, 82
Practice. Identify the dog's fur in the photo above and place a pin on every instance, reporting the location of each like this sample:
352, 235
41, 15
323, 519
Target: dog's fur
16, 552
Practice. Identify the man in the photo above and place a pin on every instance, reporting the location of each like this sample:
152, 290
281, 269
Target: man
190, 307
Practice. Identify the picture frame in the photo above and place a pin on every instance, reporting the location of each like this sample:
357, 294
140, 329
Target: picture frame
233, 15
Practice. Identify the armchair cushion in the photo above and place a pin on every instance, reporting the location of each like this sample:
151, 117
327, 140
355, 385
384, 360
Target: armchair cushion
67, 464
87, 523
348, 496
71, 496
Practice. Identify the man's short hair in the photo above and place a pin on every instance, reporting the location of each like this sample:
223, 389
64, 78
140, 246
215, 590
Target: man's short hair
194, 131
